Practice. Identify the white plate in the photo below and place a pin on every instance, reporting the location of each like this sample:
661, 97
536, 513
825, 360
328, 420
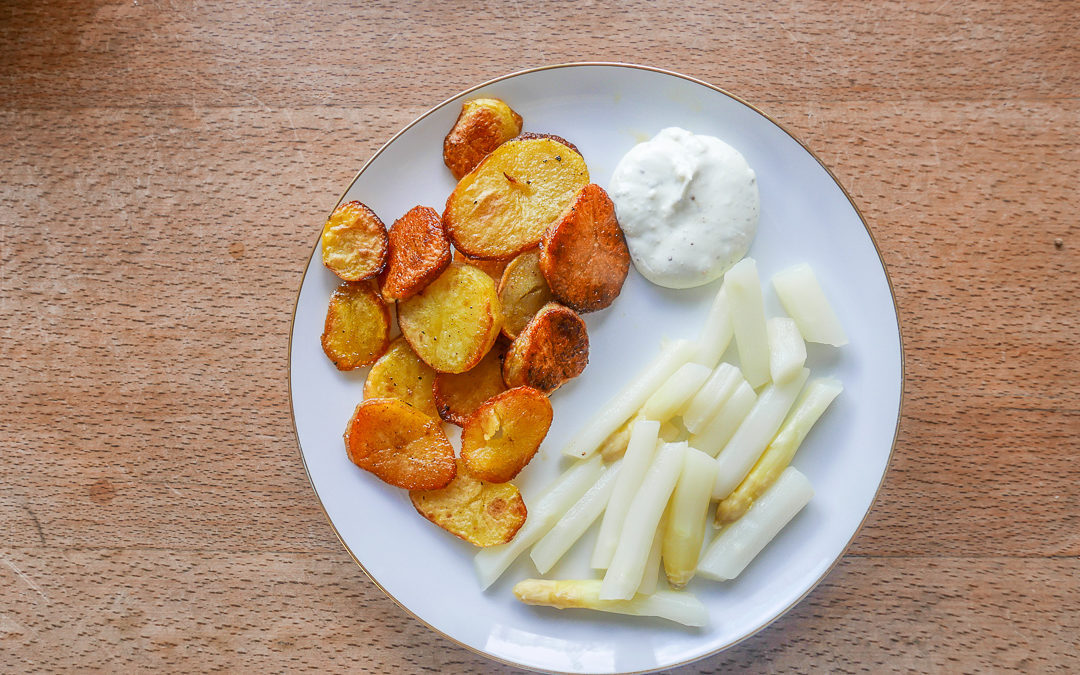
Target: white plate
805, 216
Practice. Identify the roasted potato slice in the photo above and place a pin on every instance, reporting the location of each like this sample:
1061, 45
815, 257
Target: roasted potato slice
457, 396
400, 445
481, 513
583, 254
504, 433
503, 206
357, 328
418, 253
453, 322
522, 292
401, 374
483, 125
494, 268
530, 134
354, 242
552, 348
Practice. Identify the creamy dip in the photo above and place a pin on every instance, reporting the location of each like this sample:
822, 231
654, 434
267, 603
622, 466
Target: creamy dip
688, 205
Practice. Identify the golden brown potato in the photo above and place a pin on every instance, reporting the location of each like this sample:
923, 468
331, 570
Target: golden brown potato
494, 268
457, 396
453, 322
522, 292
418, 253
583, 255
400, 445
529, 134
504, 433
503, 206
354, 242
400, 374
481, 513
553, 348
483, 125
357, 328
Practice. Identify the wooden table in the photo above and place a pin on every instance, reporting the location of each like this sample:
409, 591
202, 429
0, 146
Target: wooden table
167, 166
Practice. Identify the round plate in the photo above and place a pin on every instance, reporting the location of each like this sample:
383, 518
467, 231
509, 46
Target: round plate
806, 216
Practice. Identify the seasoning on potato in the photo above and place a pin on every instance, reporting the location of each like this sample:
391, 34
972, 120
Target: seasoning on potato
552, 349
354, 242
400, 445
418, 253
503, 206
522, 292
483, 125
481, 513
583, 254
453, 322
457, 396
357, 328
504, 433
401, 374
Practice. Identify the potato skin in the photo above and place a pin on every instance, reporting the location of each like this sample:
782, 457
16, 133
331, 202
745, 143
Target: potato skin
401, 374
493, 268
457, 396
357, 328
354, 242
454, 321
531, 134
418, 252
522, 292
503, 206
552, 349
583, 254
481, 513
483, 125
504, 433
399, 444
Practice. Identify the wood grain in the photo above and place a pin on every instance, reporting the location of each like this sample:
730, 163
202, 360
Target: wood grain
168, 165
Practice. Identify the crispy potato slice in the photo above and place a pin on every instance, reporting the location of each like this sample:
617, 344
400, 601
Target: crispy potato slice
552, 348
530, 134
418, 253
481, 513
401, 374
453, 322
357, 328
493, 268
483, 125
583, 255
504, 433
457, 396
503, 206
400, 445
354, 242
522, 292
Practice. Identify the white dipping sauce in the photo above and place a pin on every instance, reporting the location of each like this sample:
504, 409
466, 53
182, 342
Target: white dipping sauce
688, 206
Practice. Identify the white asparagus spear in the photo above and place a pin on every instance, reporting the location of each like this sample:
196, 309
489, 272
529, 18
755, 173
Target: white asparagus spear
733, 549
787, 350
651, 574
627, 402
491, 562
679, 388
748, 320
716, 333
712, 395
754, 434
565, 533
628, 564
678, 606
687, 514
639, 456
803, 300
719, 430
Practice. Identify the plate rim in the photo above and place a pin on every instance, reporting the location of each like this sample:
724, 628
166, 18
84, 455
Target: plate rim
736, 98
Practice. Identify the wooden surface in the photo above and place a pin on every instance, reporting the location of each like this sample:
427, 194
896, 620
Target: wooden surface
168, 164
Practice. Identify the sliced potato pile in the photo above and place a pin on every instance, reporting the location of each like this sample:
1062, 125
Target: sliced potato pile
357, 328
401, 374
400, 445
457, 396
552, 348
504, 433
481, 513
493, 268
522, 292
483, 125
503, 206
354, 242
418, 253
